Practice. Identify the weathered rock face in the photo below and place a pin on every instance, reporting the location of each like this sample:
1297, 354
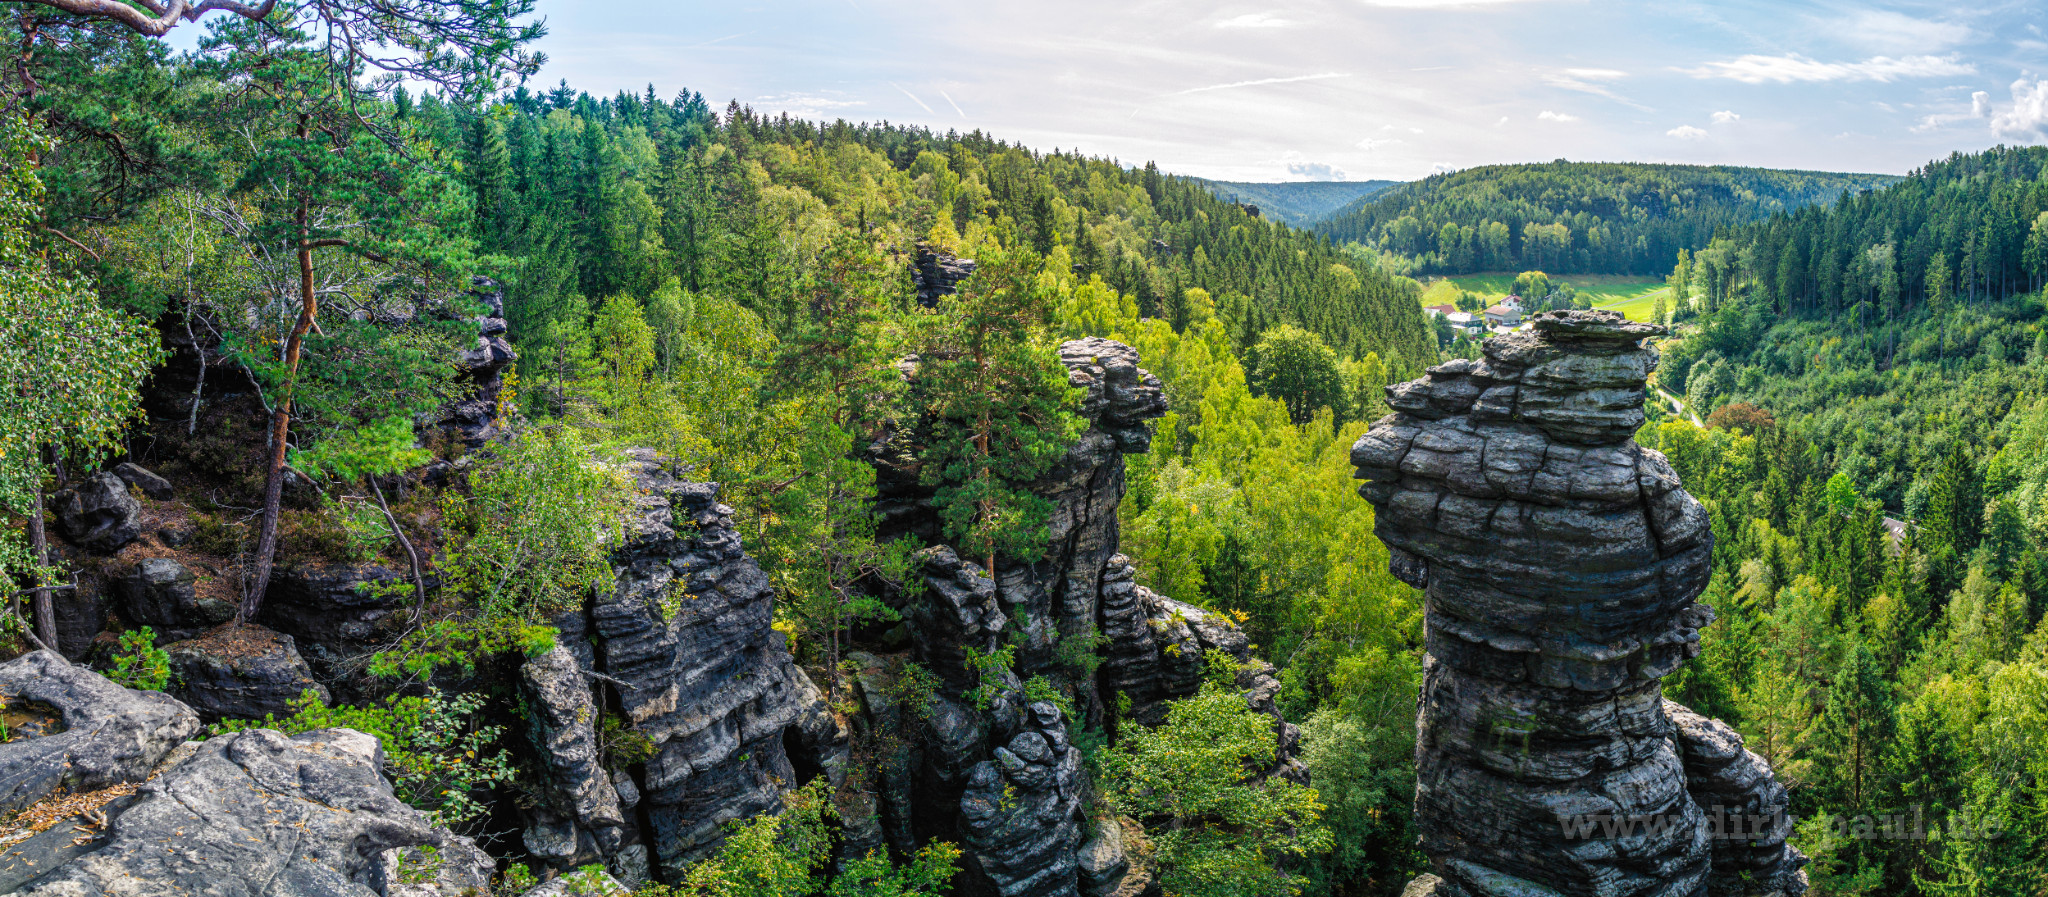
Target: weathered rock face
938, 273
98, 514
1744, 802
1158, 651
688, 659
987, 765
253, 813
111, 735
240, 672
335, 613
580, 820
1022, 807
160, 594
1560, 562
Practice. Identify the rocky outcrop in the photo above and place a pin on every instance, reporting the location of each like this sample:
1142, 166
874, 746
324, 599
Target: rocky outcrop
1021, 811
683, 652
1159, 650
240, 672
1560, 563
161, 593
253, 813
474, 419
111, 735
938, 273
98, 514
579, 820
1746, 808
335, 613
989, 762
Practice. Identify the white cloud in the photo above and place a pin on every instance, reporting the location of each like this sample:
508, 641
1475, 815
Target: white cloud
1437, 4
1980, 107
1597, 74
1260, 81
805, 105
1315, 171
1503, 120
1372, 143
1891, 32
1255, 20
1792, 67
2028, 117
1547, 115
1687, 132
1725, 117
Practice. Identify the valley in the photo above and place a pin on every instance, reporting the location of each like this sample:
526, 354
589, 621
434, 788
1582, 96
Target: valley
420, 480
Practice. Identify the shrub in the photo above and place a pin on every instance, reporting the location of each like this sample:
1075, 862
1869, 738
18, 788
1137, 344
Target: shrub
140, 664
1219, 823
435, 751
530, 540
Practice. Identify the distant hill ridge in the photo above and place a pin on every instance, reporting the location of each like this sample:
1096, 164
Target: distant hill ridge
1297, 203
1574, 217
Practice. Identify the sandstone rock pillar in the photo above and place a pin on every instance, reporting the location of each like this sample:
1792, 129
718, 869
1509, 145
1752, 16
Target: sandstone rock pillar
1560, 563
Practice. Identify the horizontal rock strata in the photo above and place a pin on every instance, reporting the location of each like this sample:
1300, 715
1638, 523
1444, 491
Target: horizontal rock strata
1560, 563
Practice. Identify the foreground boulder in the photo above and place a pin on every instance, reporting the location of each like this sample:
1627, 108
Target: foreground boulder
253, 813
111, 735
1560, 563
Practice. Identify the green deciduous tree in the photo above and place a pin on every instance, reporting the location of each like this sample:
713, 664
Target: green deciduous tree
1220, 824
1294, 366
70, 371
784, 854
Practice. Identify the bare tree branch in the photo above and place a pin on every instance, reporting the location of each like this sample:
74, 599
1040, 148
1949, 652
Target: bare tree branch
166, 15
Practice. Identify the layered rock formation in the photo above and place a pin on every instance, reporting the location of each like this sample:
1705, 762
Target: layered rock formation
474, 419
938, 273
990, 763
162, 594
683, 654
240, 672
1158, 651
1560, 562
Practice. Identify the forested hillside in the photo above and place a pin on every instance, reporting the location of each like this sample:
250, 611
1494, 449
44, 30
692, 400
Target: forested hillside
1572, 217
1881, 356
272, 255
1297, 203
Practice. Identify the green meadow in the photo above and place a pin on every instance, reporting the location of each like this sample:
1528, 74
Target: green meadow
1634, 296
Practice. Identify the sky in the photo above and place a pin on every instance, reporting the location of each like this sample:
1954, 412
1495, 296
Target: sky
1357, 89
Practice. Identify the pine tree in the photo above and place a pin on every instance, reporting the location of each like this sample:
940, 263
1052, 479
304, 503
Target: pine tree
1000, 409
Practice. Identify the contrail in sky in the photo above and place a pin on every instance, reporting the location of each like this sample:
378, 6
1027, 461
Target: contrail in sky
1260, 81
913, 97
